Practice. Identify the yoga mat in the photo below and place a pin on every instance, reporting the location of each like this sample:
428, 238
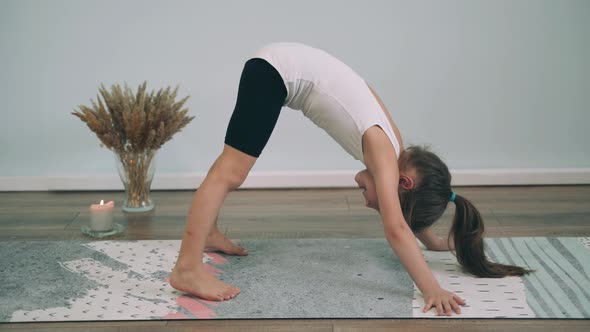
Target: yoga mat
303, 278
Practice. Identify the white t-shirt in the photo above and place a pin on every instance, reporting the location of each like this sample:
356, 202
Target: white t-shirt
329, 93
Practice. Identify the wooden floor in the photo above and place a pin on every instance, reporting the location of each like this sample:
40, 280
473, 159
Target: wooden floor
275, 214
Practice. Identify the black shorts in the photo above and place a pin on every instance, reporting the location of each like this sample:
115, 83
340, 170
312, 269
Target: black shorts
261, 95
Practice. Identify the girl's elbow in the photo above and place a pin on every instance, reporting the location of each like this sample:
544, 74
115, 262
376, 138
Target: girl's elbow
397, 231
443, 245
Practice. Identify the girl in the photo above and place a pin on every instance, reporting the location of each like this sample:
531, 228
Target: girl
410, 188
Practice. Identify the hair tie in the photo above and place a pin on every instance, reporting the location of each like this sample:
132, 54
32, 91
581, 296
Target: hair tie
453, 196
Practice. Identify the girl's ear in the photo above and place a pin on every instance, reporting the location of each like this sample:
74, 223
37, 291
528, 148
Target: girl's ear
406, 182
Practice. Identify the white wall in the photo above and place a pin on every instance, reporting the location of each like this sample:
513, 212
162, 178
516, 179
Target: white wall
489, 84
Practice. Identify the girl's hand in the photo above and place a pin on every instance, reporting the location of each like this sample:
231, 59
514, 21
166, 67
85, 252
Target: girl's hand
444, 301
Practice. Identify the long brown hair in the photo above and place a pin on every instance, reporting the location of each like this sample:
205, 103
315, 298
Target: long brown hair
424, 205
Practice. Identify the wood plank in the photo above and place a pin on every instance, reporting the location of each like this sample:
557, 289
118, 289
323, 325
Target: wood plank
315, 325
476, 325
177, 325
341, 325
157, 325
34, 225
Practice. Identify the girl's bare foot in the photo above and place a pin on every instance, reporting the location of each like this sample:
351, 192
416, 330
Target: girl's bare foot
202, 284
216, 240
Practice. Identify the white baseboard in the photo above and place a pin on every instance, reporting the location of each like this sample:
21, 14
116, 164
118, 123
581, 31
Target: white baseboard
298, 179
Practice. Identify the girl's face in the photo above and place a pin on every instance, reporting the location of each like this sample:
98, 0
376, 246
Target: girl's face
364, 179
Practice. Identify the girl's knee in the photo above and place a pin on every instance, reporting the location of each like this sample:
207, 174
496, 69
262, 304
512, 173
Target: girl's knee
235, 180
231, 168
231, 178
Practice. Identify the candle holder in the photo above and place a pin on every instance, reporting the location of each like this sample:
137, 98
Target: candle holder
101, 221
117, 229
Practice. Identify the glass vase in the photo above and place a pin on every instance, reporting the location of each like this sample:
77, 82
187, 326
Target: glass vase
136, 170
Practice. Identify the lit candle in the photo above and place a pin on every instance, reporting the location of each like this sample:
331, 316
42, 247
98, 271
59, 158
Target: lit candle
101, 216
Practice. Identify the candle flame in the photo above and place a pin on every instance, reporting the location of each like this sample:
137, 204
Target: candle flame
101, 202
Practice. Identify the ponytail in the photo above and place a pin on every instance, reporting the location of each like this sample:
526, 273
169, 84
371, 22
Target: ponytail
467, 231
425, 203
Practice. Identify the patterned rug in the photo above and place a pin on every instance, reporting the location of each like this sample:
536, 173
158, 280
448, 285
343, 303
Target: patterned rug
307, 278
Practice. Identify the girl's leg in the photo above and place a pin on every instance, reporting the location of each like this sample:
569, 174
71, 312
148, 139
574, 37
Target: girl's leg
189, 275
261, 95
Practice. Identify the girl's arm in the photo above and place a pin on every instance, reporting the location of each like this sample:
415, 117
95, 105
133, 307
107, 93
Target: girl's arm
433, 242
381, 162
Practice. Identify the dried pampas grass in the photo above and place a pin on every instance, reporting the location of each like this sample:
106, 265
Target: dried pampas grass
128, 122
